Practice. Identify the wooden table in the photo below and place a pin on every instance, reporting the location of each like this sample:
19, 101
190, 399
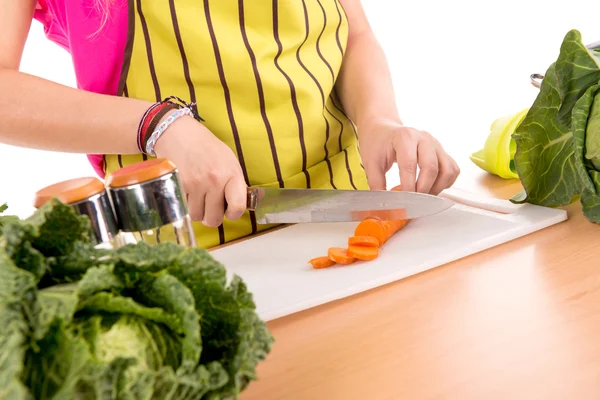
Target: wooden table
519, 321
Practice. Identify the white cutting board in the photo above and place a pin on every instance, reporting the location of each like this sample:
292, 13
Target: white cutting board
275, 265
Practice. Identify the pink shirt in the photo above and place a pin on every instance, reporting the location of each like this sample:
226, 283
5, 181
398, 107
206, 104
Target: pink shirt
97, 56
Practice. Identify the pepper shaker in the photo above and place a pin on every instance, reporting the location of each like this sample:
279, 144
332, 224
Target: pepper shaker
149, 201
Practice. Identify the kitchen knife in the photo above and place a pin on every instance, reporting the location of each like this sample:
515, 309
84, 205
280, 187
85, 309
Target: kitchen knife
283, 206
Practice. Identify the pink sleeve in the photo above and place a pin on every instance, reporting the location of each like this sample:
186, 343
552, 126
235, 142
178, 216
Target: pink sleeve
97, 59
46, 14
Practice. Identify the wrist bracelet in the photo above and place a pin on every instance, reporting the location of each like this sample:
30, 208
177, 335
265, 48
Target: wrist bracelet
154, 114
143, 124
162, 127
154, 120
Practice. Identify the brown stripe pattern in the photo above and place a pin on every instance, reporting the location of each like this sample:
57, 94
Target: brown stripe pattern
149, 50
292, 91
307, 28
318, 47
328, 65
186, 67
188, 79
261, 94
339, 44
227, 95
337, 30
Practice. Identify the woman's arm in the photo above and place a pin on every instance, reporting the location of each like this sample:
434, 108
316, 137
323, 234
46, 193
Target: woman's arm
41, 114
366, 91
365, 83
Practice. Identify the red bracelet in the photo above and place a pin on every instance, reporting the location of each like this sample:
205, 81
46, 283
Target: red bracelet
146, 120
154, 114
154, 121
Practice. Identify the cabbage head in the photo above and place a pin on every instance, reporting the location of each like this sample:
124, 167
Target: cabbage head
140, 322
557, 153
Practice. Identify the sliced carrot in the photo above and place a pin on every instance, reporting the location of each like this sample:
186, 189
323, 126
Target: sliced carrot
363, 253
368, 241
391, 227
369, 235
373, 228
340, 256
322, 262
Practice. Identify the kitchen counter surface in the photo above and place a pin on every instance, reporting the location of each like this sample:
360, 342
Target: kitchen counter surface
521, 320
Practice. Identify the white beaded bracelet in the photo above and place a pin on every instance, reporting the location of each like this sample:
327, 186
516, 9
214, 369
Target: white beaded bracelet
160, 129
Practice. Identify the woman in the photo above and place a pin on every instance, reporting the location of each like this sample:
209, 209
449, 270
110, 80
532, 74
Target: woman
286, 90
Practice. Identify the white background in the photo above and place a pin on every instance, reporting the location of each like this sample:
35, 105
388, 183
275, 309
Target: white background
457, 65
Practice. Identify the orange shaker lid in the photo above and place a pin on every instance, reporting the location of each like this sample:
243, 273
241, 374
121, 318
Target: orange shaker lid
69, 191
140, 172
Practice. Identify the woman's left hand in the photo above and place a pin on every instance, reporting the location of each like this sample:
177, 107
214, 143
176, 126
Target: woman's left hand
382, 144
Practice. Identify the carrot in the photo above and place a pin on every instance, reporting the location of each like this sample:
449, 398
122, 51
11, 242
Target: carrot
340, 256
378, 229
363, 253
322, 262
371, 227
367, 241
369, 235
391, 227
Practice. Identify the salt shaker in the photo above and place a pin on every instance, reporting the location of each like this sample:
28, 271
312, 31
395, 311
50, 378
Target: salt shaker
89, 197
149, 201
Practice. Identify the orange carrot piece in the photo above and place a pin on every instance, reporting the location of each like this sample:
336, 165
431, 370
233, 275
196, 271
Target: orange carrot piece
367, 241
378, 229
371, 227
391, 227
363, 253
340, 256
322, 262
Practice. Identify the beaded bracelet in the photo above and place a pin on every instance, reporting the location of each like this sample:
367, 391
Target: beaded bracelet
155, 113
163, 126
154, 121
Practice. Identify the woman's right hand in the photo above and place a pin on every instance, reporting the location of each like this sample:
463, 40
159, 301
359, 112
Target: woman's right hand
210, 172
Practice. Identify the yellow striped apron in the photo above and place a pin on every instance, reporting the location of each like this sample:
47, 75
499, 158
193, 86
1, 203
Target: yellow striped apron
262, 73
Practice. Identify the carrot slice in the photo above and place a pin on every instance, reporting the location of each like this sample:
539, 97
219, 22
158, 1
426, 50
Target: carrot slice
369, 235
363, 253
322, 262
373, 228
340, 256
368, 241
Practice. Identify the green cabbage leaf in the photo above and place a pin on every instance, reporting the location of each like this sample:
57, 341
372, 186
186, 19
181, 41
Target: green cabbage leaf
558, 143
139, 322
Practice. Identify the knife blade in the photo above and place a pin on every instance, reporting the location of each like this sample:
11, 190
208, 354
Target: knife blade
291, 205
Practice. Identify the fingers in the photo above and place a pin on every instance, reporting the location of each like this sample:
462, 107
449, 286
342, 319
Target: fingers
428, 167
448, 172
196, 205
419, 150
376, 178
210, 207
406, 157
236, 198
214, 207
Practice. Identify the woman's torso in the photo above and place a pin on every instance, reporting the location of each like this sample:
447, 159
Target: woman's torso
262, 73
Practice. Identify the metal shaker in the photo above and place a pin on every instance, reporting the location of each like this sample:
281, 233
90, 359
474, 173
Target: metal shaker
89, 197
149, 202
